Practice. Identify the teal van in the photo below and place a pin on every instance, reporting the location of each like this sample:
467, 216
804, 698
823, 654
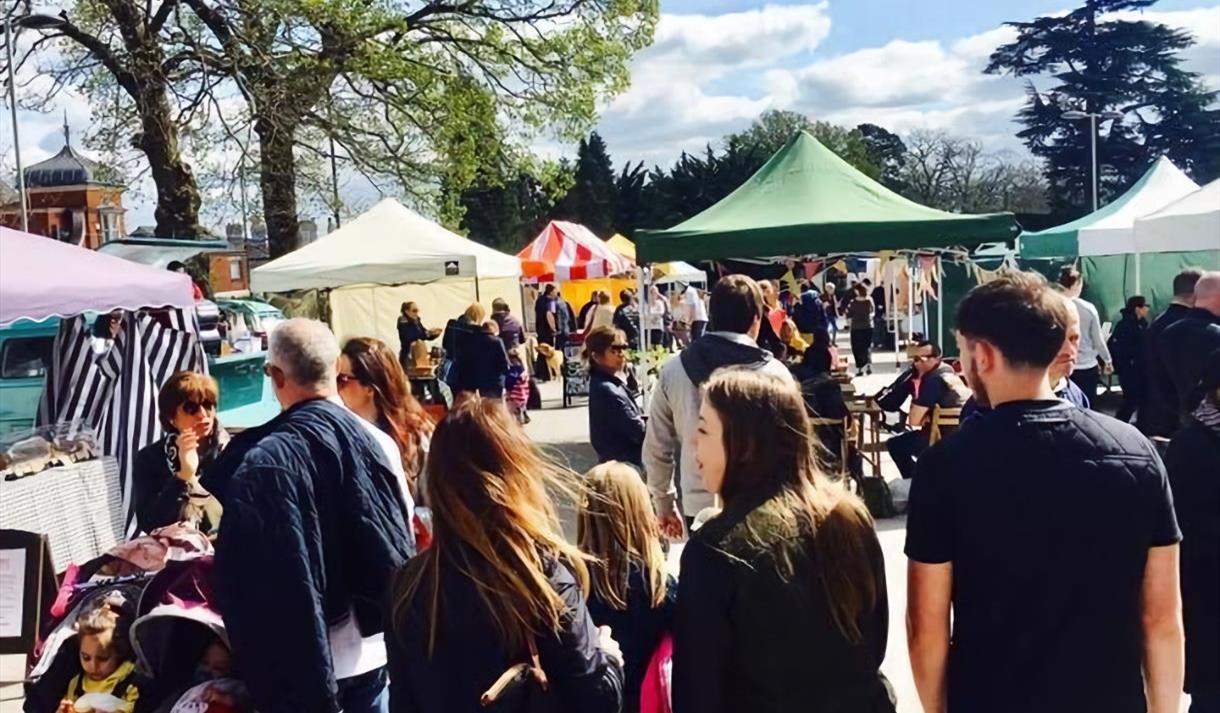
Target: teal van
246, 397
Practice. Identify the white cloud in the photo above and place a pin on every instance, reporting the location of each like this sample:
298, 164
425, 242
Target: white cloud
673, 104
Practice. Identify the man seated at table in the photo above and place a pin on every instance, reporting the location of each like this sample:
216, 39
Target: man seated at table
935, 384
1058, 372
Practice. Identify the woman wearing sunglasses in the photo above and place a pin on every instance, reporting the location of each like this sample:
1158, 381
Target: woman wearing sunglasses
166, 473
372, 384
616, 423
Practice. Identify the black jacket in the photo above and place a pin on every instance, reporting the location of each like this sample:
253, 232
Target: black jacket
824, 399
1185, 348
1193, 462
157, 494
1127, 346
469, 655
627, 319
637, 629
711, 352
746, 640
314, 528
616, 423
1159, 415
409, 332
481, 364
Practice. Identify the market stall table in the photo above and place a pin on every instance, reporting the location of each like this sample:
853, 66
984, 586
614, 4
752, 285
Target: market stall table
79, 508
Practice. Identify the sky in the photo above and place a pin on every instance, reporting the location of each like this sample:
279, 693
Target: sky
716, 65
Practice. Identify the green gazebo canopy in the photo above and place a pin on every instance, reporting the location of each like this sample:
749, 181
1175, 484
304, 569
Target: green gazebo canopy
807, 201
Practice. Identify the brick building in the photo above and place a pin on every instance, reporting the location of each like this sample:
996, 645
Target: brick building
69, 199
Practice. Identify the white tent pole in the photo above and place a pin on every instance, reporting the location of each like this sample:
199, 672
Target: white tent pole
893, 290
643, 303
940, 303
1138, 289
910, 298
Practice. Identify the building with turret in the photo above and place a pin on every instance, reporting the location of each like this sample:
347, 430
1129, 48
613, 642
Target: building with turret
70, 198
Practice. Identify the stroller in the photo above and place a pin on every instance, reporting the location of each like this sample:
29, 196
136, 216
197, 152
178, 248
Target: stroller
165, 578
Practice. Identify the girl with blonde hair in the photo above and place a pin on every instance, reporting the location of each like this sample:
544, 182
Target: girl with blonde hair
783, 596
500, 587
630, 590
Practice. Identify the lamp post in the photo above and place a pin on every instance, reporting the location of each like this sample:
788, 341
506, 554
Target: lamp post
1075, 115
37, 22
12, 103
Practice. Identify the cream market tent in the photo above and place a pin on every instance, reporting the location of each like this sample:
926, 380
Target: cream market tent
390, 255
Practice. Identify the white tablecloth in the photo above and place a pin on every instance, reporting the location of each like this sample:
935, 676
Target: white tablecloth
78, 507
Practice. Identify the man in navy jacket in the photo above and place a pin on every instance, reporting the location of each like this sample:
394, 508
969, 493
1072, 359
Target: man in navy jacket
314, 525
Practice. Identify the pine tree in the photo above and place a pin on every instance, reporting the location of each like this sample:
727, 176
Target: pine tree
1096, 63
592, 199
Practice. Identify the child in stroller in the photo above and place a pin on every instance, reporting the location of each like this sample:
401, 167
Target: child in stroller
107, 680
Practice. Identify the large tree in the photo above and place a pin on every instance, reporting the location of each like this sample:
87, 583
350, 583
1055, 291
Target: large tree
1090, 60
886, 151
594, 195
774, 128
118, 48
409, 91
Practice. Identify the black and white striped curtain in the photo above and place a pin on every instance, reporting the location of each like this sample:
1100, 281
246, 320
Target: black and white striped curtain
114, 393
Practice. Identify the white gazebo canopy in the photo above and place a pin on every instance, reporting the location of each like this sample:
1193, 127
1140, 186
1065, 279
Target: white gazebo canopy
390, 244
1189, 223
385, 257
1114, 233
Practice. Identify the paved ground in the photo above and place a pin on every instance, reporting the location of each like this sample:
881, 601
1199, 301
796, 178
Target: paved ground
566, 433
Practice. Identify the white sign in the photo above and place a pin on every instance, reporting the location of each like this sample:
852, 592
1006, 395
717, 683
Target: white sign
12, 592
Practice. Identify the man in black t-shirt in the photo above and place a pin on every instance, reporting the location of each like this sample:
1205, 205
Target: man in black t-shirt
1047, 529
936, 384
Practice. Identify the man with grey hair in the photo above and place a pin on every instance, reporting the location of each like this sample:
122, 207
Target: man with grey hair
1187, 345
314, 526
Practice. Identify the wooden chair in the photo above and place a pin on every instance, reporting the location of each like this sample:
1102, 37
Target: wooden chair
847, 424
943, 418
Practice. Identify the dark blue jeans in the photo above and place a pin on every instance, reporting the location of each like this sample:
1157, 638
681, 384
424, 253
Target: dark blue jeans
905, 448
366, 693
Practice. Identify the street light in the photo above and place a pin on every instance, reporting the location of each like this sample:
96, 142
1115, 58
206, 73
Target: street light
34, 22
1077, 115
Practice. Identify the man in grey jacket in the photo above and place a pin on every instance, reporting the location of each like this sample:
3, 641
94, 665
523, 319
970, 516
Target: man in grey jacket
736, 308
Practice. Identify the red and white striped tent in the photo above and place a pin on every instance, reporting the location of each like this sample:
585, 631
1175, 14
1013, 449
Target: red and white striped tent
566, 251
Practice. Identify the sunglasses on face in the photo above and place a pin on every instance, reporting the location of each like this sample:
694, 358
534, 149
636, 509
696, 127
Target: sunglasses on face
619, 348
192, 407
345, 379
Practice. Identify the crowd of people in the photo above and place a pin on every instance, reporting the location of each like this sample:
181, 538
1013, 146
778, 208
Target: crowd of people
369, 559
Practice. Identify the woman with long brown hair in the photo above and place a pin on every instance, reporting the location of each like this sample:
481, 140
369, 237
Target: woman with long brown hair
372, 384
783, 603
630, 590
500, 586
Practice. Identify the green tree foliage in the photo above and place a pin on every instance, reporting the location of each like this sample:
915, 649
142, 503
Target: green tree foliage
593, 197
887, 152
508, 210
774, 128
1088, 60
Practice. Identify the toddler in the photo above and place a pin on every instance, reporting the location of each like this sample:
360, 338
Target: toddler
517, 386
107, 681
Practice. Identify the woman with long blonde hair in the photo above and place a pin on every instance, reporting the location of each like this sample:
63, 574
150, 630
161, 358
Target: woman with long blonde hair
630, 590
500, 586
783, 603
